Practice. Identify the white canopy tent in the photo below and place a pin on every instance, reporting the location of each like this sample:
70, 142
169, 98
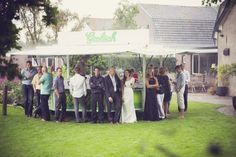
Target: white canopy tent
104, 42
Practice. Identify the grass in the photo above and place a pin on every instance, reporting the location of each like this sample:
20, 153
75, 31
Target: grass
191, 137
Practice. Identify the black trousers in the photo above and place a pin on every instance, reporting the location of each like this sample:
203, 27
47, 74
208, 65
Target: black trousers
28, 99
38, 97
117, 104
60, 104
44, 107
38, 108
186, 98
97, 99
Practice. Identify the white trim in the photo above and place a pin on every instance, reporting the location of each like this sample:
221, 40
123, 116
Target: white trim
198, 70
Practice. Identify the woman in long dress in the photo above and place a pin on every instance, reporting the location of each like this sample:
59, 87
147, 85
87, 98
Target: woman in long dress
151, 110
128, 114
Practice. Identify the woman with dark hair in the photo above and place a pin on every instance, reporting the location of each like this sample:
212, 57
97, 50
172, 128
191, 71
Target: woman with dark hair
163, 80
128, 114
150, 109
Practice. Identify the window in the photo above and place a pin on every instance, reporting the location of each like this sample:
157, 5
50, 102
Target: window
195, 64
201, 63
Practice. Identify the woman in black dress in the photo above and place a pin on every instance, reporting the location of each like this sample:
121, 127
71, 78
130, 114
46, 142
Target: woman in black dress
150, 109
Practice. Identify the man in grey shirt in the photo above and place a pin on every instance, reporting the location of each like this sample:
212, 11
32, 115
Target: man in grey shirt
27, 87
59, 90
180, 87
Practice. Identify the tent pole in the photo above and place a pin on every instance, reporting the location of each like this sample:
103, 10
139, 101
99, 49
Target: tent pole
68, 67
161, 61
144, 78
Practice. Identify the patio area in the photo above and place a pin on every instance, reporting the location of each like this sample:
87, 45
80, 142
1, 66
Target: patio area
214, 99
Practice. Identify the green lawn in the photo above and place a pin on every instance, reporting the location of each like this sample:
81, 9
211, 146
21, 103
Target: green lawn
203, 125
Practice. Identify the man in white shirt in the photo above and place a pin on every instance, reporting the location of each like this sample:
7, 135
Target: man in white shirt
78, 90
187, 80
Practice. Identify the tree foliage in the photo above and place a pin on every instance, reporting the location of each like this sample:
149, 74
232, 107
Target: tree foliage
79, 24
10, 11
63, 17
210, 2
124, 16
88, 61
32, 23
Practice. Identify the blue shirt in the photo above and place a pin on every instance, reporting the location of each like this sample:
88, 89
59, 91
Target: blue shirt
46, 84
28, 75
59, 84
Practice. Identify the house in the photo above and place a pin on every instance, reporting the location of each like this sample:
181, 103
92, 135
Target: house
187, 29
225, 36
182, 27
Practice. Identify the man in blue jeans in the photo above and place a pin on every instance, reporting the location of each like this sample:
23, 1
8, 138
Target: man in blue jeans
27, 87
78, 91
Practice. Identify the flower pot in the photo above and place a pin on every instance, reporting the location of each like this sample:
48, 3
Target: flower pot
234, 102
222, 91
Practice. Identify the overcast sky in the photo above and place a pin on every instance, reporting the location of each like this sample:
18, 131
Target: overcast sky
106, 8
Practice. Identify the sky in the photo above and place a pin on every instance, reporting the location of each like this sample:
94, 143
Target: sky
106, 8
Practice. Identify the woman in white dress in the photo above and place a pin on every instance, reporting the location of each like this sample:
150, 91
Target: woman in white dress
128, 114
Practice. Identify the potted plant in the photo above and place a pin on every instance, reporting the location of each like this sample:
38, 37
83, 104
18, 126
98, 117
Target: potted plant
223, 80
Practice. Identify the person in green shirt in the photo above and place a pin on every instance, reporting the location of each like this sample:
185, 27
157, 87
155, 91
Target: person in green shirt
46, 86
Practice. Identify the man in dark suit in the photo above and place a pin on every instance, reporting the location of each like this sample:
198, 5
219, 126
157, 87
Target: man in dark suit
113, 95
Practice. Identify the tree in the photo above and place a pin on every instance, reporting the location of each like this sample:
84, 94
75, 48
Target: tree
63, 17
79, 25
124, 16
32, 22
9, 12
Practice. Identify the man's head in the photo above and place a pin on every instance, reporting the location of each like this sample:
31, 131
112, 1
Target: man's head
162, 71
77, 69
39, 69
29, 64
96, 71
112, 71
178, 69
155, 71
59, 71
44, 69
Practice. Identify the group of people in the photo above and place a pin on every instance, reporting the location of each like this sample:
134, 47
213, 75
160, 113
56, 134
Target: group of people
117, 93
159, 88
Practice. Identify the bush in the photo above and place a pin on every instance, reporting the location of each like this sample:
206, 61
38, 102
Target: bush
14, 91
225, 71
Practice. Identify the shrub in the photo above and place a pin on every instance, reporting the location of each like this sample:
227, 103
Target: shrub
14, 91
224, 72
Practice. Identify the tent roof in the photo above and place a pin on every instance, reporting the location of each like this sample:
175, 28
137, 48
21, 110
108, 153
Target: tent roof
105, 42
75, 50
108, 49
